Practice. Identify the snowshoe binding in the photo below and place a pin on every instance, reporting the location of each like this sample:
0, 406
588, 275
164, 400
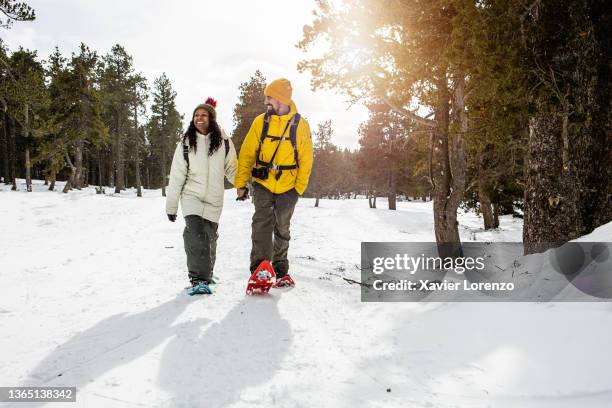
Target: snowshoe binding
200, 287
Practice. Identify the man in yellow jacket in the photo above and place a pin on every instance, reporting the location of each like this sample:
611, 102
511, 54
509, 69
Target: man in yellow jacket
277, 154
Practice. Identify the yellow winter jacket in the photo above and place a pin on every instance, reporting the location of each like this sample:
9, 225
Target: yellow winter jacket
296, 178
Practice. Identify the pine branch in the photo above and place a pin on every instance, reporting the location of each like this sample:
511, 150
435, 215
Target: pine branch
409, 114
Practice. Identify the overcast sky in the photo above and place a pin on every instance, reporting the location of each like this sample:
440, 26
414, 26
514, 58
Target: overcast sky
207, 48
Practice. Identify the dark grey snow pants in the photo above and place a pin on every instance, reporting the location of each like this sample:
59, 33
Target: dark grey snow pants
270, 229
200, 238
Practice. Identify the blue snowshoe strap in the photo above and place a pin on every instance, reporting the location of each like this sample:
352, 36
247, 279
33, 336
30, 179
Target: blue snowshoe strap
200, 289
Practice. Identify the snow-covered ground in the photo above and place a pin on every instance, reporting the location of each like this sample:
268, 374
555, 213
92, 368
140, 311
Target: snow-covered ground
91, 295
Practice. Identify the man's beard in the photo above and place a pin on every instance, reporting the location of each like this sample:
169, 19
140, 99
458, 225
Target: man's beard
271, 110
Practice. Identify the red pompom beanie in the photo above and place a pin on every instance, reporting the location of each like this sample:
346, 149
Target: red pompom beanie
210, 104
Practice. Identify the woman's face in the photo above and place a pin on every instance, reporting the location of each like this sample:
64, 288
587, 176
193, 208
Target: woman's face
201, 120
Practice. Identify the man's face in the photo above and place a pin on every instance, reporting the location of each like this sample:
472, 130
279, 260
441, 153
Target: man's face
272, 105
201, 120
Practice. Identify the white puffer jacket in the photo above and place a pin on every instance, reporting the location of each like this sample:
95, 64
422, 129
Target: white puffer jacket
201, 188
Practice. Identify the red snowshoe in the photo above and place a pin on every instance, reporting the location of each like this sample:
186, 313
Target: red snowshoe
284, 282
261, 279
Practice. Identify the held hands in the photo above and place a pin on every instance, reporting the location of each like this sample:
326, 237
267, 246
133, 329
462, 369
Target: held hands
242, 193
172, 217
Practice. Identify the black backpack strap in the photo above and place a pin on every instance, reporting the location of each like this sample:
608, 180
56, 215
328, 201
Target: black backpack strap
186, 150
264, 133
293, 138
227, 147
264, 129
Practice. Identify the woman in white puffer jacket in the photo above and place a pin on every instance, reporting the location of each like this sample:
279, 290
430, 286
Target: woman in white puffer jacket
198, 183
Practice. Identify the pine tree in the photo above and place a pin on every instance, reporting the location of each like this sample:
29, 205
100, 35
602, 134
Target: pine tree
75, 120
165, 126
4, 143
398, 52
323, 178
370, 170
486, 46
8, 133
80, 113
249, 106
27, 102
51, 152
136, 141
115, 77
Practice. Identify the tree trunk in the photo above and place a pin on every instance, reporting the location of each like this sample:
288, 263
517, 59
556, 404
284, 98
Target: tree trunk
484, 196
137, 169
137, 153
392, 190
163, 170
597, 203
567, 191
486, 208
4, 145
89, 171
111, 170
119, 160
148, 173
11, 152
68, 185
163, 138
52, 184
444, 220
317, 201
77, 181
100, 169
550, 216
445, 231
28, 167
495, 215
71, 180
448, 187
374, 201
26, 134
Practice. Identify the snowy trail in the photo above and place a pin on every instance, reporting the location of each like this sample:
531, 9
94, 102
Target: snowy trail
91, 296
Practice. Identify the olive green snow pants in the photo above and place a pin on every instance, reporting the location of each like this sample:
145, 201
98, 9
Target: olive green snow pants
270, 228
200, 238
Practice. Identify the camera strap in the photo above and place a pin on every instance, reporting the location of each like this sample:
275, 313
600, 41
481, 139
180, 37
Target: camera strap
282, 137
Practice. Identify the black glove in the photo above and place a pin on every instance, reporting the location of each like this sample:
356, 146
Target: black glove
172, 217
244, 196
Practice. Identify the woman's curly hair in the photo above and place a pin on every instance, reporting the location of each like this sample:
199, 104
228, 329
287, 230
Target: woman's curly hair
215, 136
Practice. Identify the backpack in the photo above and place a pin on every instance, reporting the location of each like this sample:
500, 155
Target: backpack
293, 122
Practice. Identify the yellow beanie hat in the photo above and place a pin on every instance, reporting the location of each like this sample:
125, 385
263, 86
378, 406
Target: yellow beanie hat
279, 89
